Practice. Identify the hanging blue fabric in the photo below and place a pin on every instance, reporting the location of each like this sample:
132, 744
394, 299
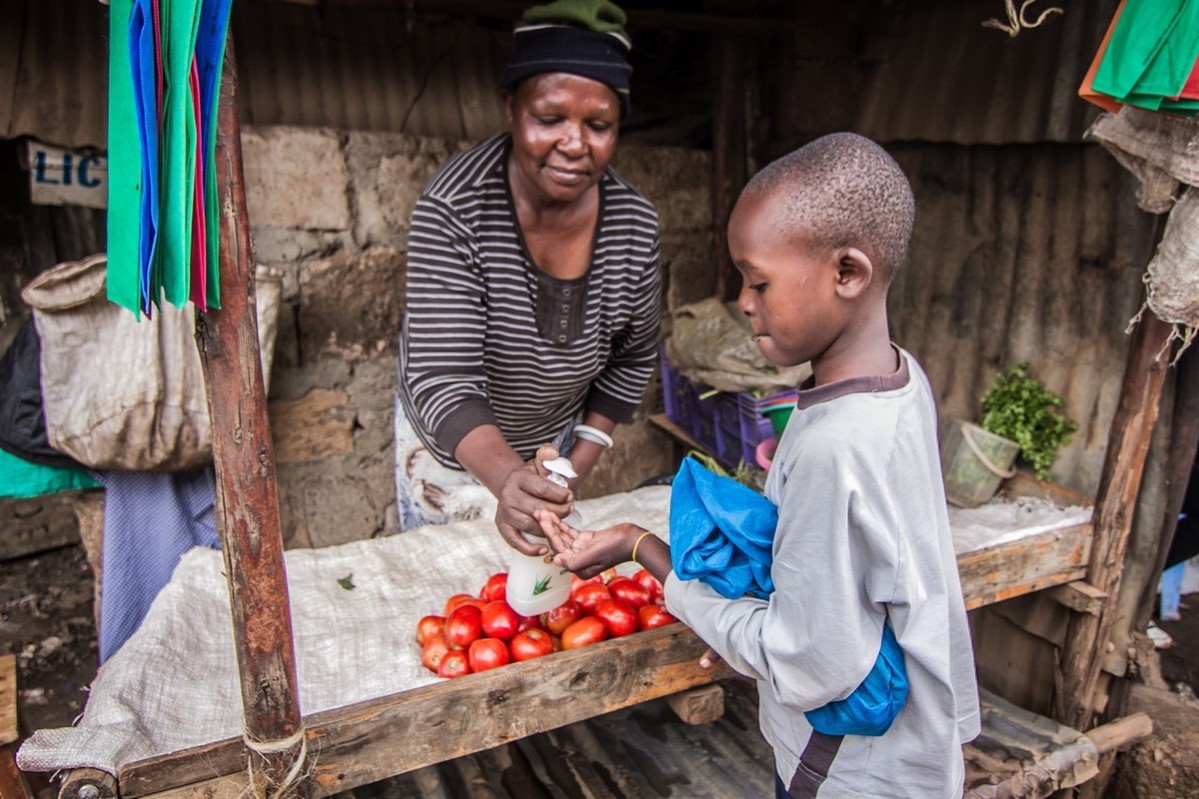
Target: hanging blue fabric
722, 534
210, 56
143, 65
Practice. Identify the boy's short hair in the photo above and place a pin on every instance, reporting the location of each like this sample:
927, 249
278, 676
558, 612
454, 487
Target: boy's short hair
844, 190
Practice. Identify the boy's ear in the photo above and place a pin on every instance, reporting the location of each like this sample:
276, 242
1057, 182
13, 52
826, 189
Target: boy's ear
855, 273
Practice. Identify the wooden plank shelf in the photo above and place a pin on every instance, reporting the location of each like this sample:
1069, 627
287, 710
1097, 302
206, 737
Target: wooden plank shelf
366, 742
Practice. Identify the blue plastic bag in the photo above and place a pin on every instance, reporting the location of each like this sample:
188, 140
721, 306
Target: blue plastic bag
721, 533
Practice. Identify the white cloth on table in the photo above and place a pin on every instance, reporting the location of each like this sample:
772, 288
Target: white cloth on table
174, 684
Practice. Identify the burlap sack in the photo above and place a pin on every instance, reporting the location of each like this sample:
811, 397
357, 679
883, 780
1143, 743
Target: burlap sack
712, 343
122, 393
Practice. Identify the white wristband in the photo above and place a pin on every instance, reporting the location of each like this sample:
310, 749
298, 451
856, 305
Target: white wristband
593, 434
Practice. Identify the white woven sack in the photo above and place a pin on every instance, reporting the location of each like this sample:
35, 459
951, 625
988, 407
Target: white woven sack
122, 393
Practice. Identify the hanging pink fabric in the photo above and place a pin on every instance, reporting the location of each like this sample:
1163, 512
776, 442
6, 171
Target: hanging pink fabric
199, 243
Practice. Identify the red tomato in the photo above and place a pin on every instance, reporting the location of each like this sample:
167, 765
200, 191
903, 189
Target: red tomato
499, 620
455, 601
561, 617
433, 651
652, 616
532, 643
619, 617
428, 627
590, 595
576, 581
487, 653
650, 583
557, 639
454, 664
587, 630
463, 626
630, 591
495, 588
529, 623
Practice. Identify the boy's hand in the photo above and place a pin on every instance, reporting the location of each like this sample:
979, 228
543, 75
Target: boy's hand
709, 659
586, 552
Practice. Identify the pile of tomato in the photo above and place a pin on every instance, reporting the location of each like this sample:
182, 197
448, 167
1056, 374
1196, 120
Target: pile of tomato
478, 633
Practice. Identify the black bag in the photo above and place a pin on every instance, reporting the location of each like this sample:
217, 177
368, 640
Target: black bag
22, 421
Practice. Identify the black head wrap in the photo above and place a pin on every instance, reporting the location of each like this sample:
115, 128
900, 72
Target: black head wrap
582, 37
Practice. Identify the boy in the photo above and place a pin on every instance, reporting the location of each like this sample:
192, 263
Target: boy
863, 533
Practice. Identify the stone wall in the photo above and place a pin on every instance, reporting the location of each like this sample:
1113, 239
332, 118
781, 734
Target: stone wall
329, 211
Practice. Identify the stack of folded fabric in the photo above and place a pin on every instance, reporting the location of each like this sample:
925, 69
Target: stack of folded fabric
1148, 59
165, 61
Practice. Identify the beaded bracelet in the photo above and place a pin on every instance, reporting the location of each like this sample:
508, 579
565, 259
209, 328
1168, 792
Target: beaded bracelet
593, 434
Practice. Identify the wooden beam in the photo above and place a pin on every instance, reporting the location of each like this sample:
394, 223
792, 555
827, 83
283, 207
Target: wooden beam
1121, 733
88, 783
638, 19
1184, 443
8, 699
247, 497
728, 156
701, 705
1028, 564
13, 784
369, 741
1115, 503
1080, 596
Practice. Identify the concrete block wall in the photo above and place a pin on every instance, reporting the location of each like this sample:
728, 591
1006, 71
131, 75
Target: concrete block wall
329, 209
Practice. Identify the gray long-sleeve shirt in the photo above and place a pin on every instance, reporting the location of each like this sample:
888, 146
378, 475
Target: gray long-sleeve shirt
863, 536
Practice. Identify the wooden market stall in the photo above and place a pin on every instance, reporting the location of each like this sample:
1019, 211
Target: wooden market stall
1078, 564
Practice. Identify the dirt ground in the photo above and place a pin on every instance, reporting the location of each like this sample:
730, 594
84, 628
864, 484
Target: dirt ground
46, 620
1167, 765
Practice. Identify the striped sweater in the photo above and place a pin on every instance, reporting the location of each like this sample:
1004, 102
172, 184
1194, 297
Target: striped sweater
488, 338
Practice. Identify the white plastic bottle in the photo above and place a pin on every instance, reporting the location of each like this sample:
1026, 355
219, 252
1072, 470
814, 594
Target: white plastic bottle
535, 586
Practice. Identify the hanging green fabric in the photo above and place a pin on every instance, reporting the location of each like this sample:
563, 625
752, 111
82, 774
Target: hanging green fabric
179, 22
1151, 53
124, 164
20, 478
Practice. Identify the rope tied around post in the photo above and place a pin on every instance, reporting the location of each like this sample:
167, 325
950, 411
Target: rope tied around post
264, 749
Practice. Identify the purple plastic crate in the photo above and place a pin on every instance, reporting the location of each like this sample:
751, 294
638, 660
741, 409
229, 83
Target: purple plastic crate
742, 425
728, 425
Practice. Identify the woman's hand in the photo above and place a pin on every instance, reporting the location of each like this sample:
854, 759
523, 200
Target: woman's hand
587, 552
525, 490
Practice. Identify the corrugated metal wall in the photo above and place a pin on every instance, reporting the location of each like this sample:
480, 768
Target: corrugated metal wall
369, 69
353, 68
1024, 253
938, 75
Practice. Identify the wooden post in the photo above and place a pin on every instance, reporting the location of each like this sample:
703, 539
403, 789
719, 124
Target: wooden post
1184, 443
728, 156
1115, 503
247, 499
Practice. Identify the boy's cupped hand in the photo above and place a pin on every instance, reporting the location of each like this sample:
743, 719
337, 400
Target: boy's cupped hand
587, 552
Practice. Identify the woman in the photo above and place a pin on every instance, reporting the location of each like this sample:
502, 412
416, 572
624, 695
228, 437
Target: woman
533, 287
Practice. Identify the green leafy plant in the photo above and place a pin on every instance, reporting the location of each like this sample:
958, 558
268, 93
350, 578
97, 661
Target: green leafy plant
1020, 408
746, 475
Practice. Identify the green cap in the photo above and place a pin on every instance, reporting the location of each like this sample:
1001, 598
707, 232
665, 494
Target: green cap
601, 16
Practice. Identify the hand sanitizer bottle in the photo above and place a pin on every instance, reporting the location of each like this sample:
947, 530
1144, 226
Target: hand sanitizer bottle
534, 585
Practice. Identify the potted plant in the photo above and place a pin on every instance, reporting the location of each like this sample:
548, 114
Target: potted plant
1019, 417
